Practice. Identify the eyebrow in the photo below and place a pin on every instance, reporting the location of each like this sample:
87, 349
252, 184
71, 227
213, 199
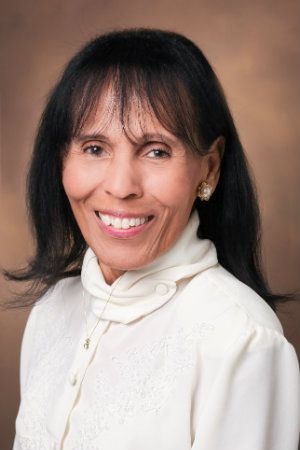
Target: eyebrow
145, 137
90, 136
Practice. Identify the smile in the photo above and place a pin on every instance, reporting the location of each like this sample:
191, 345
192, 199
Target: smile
123, 223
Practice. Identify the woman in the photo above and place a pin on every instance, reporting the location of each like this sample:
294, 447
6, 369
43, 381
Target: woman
167, 340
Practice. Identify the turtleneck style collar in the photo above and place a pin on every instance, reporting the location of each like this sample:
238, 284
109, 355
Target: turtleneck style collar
139, 292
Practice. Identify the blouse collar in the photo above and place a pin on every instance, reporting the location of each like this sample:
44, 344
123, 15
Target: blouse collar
139, 292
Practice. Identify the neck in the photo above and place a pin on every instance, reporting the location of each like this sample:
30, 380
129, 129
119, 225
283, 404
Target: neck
110, 275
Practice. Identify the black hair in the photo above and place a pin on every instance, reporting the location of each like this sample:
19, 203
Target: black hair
171, 76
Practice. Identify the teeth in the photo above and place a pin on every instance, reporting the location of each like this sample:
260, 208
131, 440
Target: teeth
124, 224
132, 222
116, 222
106, 219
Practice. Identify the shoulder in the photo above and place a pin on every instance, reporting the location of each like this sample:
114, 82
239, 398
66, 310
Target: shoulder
238, 295
53, 308
232, 311
59, 297
216, 291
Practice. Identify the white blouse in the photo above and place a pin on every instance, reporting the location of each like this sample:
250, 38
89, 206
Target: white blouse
184, 357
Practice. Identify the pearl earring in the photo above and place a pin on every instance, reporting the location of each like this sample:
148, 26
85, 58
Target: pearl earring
204, 191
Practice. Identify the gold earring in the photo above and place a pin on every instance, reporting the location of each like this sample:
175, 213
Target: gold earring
204, 191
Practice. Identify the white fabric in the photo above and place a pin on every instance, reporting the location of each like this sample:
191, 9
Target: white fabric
184, 357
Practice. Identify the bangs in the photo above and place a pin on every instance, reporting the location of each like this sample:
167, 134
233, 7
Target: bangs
150, 92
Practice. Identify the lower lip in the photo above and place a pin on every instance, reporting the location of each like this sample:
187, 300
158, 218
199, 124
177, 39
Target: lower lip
122, 233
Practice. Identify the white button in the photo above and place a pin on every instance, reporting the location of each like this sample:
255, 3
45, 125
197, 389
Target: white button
72, 378
161, 289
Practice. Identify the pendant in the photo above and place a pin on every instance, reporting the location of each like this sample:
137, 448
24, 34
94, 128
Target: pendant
86, 343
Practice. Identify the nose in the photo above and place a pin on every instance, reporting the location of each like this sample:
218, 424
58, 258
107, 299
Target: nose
122, 178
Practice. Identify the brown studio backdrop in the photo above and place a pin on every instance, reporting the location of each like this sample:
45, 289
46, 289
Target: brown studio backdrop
253, 47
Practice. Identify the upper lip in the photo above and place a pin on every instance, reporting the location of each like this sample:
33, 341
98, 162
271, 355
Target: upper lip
122, 214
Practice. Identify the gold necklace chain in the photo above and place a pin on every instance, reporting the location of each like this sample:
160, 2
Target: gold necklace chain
89, 336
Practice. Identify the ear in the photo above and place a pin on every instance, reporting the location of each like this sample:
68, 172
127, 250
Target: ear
212, 161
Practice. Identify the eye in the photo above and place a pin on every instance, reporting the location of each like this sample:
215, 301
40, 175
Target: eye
159, 153
94, 150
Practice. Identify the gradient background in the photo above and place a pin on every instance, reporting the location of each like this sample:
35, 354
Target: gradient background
254, 48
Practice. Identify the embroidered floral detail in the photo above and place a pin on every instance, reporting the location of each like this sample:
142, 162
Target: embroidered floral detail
145, 376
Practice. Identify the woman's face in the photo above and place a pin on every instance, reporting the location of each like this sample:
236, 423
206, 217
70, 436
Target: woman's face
131, 189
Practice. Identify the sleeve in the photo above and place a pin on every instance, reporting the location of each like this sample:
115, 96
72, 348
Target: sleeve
253, 401
26, 354
34, 321
26, 348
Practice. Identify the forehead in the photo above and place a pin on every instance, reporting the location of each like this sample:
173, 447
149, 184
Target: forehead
136, 118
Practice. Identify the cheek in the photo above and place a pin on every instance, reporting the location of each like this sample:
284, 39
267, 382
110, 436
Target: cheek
77, 182
176, 189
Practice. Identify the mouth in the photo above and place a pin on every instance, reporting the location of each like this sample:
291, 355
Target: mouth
124, 222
